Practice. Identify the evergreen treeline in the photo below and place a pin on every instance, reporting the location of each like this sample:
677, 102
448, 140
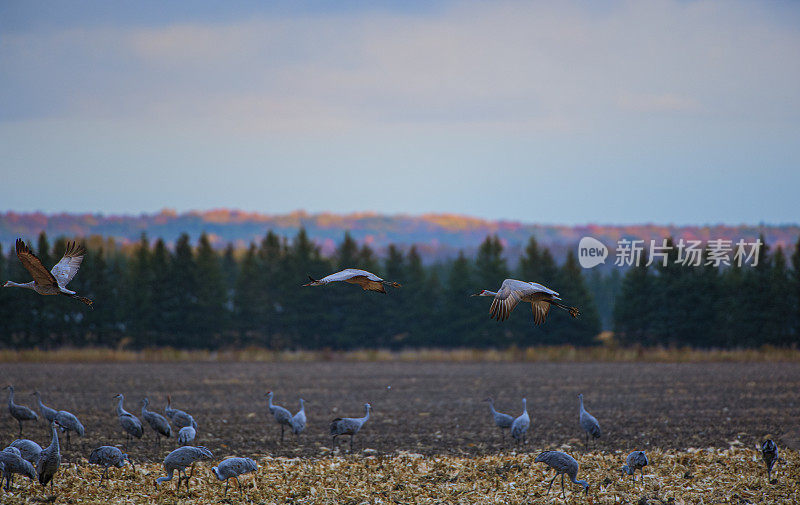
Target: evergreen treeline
198, 297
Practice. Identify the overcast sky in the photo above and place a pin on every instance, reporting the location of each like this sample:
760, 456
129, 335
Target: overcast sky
556, 112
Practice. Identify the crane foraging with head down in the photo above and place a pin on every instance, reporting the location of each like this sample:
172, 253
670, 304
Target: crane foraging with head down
11, 462
367, 280
55, 281
348, 426
107, 456
181, 458
513, 291
563, 464
232, 468
636, 460
29, 450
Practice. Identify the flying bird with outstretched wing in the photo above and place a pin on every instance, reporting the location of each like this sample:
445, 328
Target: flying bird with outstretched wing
367, 280
55, 281
513, 291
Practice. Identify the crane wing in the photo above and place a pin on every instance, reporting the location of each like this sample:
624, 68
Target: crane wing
34, 266
350, 273
540, 310
509, 295
65, 270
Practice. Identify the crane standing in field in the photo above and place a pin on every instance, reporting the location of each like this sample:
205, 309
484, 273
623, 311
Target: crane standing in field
55, 281
178, 417
11, 462
19, 412
48, 413
588, 422
563, 464
29, 450
348, 426
636, 460
49, 460
513, 291
157, 422
367, 280
282, 416
501, 420
181, 458
68, 422
107, 456
299, 419
519, 428
130, 423
769, 452
233, 468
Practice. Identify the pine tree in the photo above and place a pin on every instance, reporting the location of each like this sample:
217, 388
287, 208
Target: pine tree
462, 312
139, 308
633, 307
185, 283
564, 328
246, 300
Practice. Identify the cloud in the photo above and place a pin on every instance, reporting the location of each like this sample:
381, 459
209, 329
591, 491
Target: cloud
519, 66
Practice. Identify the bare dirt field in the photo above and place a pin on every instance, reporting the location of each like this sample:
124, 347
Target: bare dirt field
435, 410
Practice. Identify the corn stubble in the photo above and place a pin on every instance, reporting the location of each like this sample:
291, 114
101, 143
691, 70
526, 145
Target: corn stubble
734, 475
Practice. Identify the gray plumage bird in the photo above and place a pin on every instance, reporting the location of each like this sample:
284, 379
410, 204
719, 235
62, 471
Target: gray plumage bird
501, 420
108, 456
299, 419
68, 422
513, 291
181, 458
49, 460
130, 423
563, 464
11, 463
19, 412
636, 460
282, 416
519, 428
178, 417
157, 422
367, 280
769, 451
186, 435
29, 449
232, 468
588, 422
348, 426
47, 412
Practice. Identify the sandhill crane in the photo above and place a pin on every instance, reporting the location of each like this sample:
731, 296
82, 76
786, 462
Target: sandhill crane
13, 450
299, 419
769, 451
55, 281
130, 423
513, 291
11, 463
563, 464
282, 416
186, 435
178, 417
367, 280
107, 456
233, 468
156, 421
501, 420
588, 422
49, 460
179, 459
29, 449
68, 422
636, 460
348, 426
48, 413
519, 428
19, 412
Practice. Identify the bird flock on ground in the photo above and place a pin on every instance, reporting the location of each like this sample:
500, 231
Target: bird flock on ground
26, 457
